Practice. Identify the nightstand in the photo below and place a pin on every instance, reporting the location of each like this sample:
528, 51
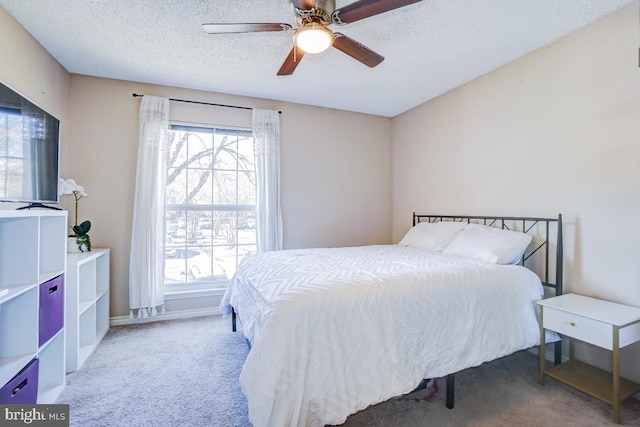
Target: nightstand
601, 323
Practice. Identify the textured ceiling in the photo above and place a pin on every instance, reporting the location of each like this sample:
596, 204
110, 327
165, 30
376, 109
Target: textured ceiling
429, 47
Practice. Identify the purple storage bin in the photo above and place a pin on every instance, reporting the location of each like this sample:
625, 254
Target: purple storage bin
51, 313
23, 388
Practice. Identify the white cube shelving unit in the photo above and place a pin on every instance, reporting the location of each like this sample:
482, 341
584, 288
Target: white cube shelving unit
87, 318
32, 252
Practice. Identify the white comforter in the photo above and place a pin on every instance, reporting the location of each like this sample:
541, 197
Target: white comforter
336, 330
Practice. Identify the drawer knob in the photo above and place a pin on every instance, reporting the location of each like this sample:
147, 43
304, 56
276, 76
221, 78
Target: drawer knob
573, 323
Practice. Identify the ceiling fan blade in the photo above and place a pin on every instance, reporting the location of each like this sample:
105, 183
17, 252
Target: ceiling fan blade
244, 28
356, 50
303, 4
292, 61
365, 8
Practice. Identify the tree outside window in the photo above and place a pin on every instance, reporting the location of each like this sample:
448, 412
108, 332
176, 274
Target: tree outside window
210, 205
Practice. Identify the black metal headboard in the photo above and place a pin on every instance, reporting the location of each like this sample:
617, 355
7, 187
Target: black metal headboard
539, 228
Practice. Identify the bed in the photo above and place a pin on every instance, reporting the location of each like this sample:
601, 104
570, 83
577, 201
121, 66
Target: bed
335, 330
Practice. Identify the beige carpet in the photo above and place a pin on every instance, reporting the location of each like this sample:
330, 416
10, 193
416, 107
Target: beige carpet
503, 393
185, 372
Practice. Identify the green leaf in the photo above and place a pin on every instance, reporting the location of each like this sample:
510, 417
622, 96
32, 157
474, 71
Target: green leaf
82, 228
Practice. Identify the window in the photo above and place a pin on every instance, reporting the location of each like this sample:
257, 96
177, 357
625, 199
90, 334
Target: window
13, 159
210, 208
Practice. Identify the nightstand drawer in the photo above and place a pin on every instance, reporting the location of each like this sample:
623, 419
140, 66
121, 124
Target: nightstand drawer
579, 327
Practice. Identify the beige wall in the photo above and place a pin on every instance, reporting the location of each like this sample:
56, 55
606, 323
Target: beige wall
29, 70
336, 174
557, 131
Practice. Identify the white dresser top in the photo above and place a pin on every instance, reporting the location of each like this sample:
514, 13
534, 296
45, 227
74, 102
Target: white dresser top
593, 308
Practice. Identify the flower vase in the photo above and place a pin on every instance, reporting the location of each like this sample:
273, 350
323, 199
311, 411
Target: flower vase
76, 244
72, 244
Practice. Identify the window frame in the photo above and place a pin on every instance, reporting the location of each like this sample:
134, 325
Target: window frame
213, 286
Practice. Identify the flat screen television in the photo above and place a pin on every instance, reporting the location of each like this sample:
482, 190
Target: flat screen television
29, 151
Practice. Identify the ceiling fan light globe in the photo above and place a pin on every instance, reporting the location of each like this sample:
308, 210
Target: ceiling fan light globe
313, 38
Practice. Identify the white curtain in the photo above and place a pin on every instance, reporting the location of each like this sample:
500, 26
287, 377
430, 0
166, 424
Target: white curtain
266, 137
146, 263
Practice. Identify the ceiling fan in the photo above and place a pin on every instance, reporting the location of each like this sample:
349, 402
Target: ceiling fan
311, 34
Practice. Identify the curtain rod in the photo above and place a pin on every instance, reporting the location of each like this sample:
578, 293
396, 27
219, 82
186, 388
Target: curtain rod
136, 95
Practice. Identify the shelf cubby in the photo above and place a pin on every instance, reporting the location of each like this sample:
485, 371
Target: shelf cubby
32, 253
102, 316
19, 249
18, 332
53, 240
87, 318
51, 375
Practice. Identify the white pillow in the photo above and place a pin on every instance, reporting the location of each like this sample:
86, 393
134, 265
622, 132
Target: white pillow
489, 244
432, 235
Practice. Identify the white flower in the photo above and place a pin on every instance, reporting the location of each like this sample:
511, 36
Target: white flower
70, 186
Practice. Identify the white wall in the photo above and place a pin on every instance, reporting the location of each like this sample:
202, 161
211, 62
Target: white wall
557, 131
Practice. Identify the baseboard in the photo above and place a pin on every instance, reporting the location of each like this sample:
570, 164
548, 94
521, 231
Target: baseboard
173, 315
549, 353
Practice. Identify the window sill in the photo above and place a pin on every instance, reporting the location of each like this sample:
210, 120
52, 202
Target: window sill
194, 293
